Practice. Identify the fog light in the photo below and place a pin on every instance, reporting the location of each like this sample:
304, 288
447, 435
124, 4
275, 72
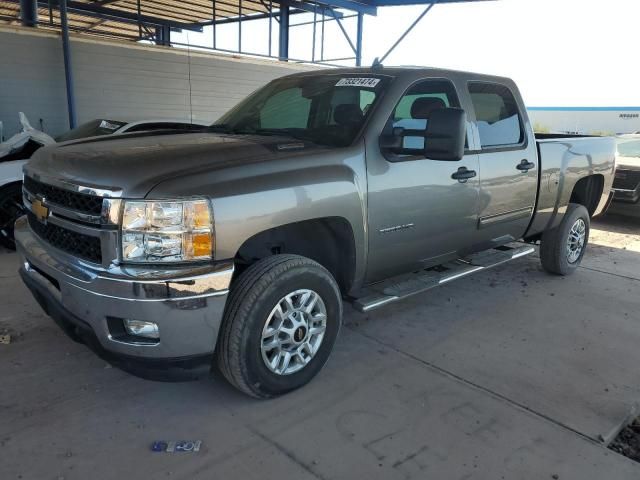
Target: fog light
142, 329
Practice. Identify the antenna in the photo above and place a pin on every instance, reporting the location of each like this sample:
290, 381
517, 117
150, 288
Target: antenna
189, 69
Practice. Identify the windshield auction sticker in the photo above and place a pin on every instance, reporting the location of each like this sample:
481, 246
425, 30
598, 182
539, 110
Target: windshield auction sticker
358, 82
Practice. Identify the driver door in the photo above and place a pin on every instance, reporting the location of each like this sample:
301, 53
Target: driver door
418, 215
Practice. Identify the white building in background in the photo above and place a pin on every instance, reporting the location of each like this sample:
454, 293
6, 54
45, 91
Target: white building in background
585, 120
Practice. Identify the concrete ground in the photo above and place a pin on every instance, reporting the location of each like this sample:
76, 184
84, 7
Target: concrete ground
511, 374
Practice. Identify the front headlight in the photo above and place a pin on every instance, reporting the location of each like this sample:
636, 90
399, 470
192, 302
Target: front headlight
166, 231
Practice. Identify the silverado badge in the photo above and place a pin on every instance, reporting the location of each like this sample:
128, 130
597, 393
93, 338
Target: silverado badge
40, 210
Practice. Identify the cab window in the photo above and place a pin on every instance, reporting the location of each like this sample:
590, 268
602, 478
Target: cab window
497, 115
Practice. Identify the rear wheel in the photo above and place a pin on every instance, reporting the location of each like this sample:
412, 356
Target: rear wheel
563, 247
11, 208
282, 318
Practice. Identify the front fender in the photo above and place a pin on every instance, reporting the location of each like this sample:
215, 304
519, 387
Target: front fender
252, 200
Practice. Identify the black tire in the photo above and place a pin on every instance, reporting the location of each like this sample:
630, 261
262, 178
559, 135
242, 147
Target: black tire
553, 249
253, 296
11, 209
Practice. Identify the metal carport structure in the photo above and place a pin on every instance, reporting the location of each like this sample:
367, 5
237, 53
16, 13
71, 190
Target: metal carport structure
154, 20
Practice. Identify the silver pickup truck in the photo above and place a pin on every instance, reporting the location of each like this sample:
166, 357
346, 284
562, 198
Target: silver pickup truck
171, 255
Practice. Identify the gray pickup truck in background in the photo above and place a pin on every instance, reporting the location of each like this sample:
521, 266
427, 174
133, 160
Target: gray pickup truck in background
172, 254
626, 186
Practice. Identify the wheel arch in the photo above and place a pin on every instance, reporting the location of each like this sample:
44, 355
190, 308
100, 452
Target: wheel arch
588, 192
330, 241
11, 183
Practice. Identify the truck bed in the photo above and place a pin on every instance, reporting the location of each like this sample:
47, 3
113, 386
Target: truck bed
564, 160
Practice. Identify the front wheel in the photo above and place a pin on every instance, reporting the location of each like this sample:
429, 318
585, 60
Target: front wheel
563, 247
282, 318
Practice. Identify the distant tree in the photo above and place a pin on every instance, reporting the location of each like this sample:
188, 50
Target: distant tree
602, 133
539, 128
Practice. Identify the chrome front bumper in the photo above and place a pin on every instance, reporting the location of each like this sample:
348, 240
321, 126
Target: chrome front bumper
187, 303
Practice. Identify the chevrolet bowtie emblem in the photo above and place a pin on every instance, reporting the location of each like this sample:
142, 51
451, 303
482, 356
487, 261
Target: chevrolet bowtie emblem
40, 210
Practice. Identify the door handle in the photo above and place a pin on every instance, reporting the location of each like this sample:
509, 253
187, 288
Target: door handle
525, 165
462, 175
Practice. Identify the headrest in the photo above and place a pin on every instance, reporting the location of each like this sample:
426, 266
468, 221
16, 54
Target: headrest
347, 114
422, 107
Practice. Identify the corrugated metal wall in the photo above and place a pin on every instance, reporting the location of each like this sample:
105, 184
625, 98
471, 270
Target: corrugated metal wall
119, 80
587, 121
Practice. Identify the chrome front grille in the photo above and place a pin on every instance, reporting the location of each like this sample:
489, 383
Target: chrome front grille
77, 244
80, 221
627, 179
80, 202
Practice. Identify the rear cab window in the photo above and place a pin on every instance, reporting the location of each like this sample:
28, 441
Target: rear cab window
497, 116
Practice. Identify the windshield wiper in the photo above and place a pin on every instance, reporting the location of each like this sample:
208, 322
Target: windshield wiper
220, 128
285, 132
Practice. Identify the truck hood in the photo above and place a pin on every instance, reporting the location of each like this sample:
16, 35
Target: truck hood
135, 163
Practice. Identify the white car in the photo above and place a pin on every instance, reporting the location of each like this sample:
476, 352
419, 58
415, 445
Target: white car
15, 152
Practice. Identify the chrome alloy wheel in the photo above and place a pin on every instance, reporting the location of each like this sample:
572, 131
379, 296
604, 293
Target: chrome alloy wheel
293, 332
576, 240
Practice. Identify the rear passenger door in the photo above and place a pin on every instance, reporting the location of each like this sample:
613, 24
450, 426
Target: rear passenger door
508, 164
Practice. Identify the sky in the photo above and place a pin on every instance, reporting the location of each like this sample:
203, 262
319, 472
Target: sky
560, 52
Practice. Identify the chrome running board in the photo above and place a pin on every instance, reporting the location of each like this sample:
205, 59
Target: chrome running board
406, 285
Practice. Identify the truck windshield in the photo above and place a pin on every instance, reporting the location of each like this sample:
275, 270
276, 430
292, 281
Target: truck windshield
324, 109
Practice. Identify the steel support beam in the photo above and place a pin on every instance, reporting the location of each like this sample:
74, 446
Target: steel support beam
68, 71
93, 10
254, 16
359, 39
307, 7
415, 22
29, 12
344, 31
368, 9
283, 50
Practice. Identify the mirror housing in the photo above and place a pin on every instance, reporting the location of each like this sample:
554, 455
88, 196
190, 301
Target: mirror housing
445, 134
392, 142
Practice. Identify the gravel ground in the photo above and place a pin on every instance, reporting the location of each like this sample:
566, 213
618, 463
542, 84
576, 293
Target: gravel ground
627, 442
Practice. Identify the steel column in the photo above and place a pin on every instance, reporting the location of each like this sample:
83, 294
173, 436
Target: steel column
270, 24
322, 37
215, 21
163, 35
284, 33
240, 26
68, 72
29, 12
359, 39
313, 44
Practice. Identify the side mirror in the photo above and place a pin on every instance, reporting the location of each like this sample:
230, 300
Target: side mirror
392, 142
445, 134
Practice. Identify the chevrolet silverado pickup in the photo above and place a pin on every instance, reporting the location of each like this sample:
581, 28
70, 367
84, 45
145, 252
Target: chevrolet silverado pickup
173, 255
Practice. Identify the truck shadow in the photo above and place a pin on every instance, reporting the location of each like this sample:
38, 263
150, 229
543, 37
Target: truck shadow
618, 223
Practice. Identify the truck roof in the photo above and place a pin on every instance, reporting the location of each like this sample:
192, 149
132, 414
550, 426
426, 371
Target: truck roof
405, 71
